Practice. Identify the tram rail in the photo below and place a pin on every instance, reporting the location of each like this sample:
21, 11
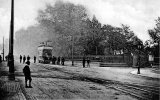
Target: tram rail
141, 92
136, 91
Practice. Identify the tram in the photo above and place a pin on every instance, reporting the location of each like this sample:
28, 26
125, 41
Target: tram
44, 54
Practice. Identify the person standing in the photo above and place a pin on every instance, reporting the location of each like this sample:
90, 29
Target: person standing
83, 62
88, 62
27, 74
20, 58
58, 60
0, 58
28, 58
34, 59
62, 60
53, 60
24, 59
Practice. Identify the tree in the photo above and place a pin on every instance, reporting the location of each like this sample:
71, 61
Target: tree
155, 41
132, 40
64, 21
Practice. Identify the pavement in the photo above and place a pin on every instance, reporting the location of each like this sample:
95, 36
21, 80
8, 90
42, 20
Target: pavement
153, 72
9, 89
13, 90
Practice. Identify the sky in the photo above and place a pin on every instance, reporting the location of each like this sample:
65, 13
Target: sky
140, 15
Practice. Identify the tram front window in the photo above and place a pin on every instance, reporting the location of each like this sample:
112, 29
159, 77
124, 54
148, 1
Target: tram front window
47, 53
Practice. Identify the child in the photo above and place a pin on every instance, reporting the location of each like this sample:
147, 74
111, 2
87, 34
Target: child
27, 74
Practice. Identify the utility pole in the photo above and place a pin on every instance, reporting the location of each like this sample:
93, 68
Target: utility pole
70, 20
3, 48
11, 40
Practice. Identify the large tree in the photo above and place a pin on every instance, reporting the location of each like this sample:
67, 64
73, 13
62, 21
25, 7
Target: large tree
153, 45
64, 22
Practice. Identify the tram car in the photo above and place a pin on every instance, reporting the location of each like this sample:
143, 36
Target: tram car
44, 54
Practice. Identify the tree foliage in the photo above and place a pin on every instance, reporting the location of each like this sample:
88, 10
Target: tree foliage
69, 28
152, 46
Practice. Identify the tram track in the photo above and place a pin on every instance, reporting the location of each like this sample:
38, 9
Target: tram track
141, 92
136, 95
136, 91
145, 90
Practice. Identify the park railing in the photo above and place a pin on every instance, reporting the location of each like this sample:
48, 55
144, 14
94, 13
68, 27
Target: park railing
156, 61
105, 58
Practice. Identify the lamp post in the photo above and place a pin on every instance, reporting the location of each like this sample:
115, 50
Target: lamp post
72, 50
71, 38
139, 47
11, 39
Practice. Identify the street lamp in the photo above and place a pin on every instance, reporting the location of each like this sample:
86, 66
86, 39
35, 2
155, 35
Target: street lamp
72, 50
139, 48
71, 38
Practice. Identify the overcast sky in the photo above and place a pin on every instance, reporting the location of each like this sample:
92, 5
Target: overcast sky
140, 15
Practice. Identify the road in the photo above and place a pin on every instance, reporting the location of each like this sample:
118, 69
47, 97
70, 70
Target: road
67, 82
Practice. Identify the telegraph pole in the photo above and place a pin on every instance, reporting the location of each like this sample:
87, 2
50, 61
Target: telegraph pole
11, 40
70, 16
3, 48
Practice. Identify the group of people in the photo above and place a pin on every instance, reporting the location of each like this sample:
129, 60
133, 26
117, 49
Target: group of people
84, 62
58, 61
24, 58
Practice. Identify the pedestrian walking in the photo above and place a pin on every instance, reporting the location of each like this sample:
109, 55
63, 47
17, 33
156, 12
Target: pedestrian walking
34, 59
24, 59
53, 60
83, 62
27, 74
28, 58
88, 62
62, 60
20, 58
58, 60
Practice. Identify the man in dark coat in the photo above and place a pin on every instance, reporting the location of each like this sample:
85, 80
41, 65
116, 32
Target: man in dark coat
24, 59
27, 74
58, 60
20, 58
28, 58
53, 60
34, 59
62, 60
84, 61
